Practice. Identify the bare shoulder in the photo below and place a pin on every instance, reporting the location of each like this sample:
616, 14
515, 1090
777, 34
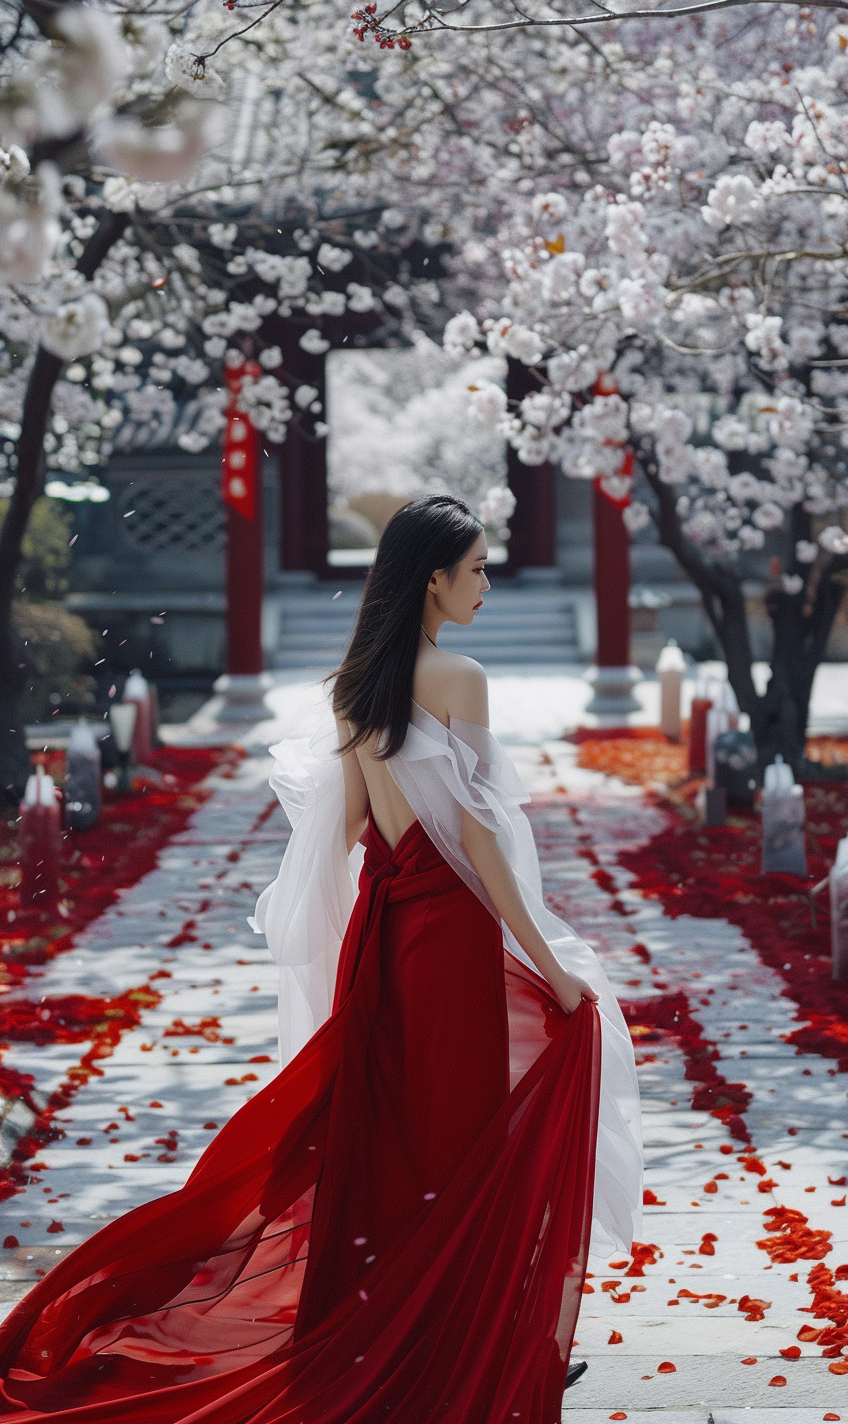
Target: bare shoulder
454, 684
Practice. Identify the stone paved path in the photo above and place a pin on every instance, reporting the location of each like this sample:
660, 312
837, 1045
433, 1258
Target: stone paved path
738, 1003
183, 929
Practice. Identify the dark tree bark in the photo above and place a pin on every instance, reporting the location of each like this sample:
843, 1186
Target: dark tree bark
801, 625
29, 484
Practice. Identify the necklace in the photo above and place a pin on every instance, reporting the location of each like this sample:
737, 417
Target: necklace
427, 636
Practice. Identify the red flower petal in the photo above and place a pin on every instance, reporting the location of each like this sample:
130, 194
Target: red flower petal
619, 1414
54, 1227
666, 1368
751, 1360
615, 1338
838, 1367
10, 1242
778, 1380
792, 1352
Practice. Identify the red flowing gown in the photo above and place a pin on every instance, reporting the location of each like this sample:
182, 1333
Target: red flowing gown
394, 1231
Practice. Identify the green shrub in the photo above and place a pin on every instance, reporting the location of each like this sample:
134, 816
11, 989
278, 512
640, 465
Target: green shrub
43, 570
59, 649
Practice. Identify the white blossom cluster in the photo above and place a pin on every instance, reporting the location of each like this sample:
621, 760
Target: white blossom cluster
266, 402
690, 298
145, 338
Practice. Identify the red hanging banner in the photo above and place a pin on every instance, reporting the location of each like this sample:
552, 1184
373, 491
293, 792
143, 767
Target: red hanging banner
241, 489
240, 455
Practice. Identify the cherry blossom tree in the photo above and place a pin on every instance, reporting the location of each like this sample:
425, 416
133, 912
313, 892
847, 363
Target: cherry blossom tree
693, 306
156, 225
137, 260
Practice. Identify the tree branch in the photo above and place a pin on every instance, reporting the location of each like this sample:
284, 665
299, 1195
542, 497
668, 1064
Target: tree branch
29, 476
434, 22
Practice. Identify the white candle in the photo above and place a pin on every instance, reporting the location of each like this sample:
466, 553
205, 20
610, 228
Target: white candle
671, 665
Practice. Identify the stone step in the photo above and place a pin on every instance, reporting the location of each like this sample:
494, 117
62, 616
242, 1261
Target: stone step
518, 625
308, 653
542, 620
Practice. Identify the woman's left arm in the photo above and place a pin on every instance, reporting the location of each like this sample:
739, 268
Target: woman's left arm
356, 792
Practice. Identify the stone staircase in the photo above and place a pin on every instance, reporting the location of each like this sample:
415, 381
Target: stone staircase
309, 627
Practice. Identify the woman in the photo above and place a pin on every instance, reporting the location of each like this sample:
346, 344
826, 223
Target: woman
396, 1228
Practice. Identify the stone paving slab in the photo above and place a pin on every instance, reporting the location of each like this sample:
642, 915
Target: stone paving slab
738, 1004
109, 1160
708, 1381
718, 1415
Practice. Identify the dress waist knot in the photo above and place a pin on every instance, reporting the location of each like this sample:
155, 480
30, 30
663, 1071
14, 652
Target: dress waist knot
414, 867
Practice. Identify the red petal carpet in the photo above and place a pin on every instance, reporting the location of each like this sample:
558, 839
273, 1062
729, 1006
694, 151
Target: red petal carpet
96, 865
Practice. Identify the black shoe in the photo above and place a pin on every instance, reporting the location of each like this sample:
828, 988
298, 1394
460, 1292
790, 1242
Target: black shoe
574, 1373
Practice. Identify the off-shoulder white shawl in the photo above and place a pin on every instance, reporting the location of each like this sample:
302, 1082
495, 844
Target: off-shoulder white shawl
304, 913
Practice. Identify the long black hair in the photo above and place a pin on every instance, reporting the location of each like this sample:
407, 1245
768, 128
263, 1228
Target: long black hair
373, 685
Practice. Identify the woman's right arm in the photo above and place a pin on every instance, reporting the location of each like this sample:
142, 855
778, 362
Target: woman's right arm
481, 846
468, 701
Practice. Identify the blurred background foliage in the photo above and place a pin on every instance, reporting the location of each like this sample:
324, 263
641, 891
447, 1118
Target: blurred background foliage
56, 647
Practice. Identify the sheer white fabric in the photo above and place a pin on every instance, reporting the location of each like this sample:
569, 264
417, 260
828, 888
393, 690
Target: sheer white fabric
441, 772
304, 912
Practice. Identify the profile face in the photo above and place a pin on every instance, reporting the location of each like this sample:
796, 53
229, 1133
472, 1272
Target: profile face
459, 598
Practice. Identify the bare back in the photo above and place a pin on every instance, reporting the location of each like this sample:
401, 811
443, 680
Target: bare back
445, 685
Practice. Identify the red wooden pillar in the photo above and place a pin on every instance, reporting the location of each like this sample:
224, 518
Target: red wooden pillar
532, 540
612, 677
304, 535
612, 575
243, 685
244, 595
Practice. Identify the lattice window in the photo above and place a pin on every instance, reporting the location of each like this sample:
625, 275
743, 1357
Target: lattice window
179, 514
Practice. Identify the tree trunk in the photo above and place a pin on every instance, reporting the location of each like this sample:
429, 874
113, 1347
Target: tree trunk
801, 626
29, 483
